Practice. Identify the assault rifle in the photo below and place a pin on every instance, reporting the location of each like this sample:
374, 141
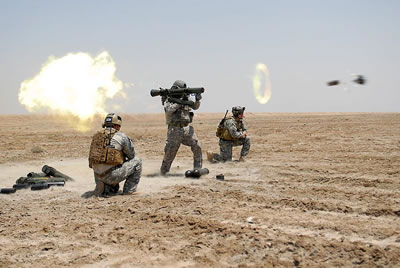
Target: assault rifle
223, 119
220, 127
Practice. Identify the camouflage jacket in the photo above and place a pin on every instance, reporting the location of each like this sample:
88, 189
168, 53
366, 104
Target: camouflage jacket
178, 114
233, 129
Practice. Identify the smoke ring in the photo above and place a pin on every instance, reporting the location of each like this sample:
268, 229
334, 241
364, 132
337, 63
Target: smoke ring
262, 75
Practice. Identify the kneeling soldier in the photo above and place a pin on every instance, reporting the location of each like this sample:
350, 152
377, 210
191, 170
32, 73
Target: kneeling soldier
232, 131
112, 157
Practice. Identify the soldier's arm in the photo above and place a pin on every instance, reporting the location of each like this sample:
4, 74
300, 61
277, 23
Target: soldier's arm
244, 126
230, 125
171, 107
128, 148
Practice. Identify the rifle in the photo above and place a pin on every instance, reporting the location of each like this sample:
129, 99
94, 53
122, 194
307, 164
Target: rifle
223, 119
220, 127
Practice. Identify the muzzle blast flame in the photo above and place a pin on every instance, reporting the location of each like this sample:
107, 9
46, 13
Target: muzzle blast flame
76, 84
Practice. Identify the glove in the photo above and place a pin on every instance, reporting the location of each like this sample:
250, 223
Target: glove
163, 99
198, 96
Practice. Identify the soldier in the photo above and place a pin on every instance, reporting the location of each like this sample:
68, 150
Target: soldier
232, 132
112, 157
178, 116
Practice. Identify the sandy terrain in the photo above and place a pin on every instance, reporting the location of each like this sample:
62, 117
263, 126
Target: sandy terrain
316, 190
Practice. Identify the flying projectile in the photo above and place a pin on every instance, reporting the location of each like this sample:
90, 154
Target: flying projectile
360, 80
333, 83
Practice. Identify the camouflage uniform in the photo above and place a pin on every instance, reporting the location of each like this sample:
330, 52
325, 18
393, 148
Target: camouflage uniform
235, 127
130, 170
178, 117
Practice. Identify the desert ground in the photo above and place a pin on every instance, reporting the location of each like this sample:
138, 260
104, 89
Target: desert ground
316, 190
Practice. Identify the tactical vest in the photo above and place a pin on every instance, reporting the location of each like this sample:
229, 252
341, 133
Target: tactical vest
101, 152
224, 132
180, 117
177, 119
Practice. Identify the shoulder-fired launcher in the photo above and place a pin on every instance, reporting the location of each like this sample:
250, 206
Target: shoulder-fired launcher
176, 91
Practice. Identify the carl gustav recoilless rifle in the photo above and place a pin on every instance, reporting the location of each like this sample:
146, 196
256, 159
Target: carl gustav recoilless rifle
174, 94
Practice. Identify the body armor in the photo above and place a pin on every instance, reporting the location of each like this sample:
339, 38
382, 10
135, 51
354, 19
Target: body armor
180, 117
225, 134
101, 152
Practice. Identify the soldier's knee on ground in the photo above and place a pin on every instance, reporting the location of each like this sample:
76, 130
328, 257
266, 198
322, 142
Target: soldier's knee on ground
139, 165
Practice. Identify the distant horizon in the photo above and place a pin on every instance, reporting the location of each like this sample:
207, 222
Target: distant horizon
216, 45
197, 113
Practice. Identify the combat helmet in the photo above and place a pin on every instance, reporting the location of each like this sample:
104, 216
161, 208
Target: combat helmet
237, 110
179, 84
112, 119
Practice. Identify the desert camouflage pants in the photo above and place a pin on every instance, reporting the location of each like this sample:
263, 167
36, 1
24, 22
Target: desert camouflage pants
130, 172
225, 148
175, 137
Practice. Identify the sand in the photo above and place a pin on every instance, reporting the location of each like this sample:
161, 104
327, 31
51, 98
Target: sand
316, 190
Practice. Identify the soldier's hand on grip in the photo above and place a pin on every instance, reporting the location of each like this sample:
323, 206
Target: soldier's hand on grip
198, 96
163, 99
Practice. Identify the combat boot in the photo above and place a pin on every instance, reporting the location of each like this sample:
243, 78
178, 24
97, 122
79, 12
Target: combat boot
110, 190
131, 184
99, 190
164, 169
242, 159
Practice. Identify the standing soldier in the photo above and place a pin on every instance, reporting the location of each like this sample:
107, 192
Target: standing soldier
231, 132
112, 157
178, 116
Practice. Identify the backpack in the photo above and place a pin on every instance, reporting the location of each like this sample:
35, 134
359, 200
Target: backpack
101, 152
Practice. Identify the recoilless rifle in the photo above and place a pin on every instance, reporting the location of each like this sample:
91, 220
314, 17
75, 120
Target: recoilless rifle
176, 91
38, 181
173, 94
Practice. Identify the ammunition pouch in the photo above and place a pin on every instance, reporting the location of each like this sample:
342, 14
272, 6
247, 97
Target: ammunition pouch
114, 157
220, 130
225, 135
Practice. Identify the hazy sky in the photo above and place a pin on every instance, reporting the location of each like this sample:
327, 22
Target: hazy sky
216, 45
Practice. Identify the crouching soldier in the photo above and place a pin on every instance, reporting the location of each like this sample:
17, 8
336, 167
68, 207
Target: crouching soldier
231, 131
112, 157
